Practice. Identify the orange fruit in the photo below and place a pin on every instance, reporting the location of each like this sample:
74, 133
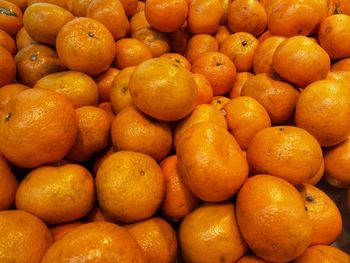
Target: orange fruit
266, 34
340, 75
204, 16
218, 69
323, 254
240, 48
211, 162
35, 62
94, 125
318, 176
200, 44
71, 198
263, 57
156, 41
177, 60
78, 87
179, 39
85, 45
288, 152
22, 4
251, 259
166, 16
247, 16
95, 242
104, 84
156, 238
210, 234
119, 94
107, 107
172, 98
240, 81
33, 112
10, 17
138, 21
132, 130
130, 6
324, 214
111, 14
127, 181
222, 34
23, 39
23, 237
178, 200
61, 3
8, 185
284, 231
245, 118
323, 109
8, 92
334, 37
201, 113
279, 98
341, 7
343, 64
37, 17
7, 67
79, 7
130, 52
7, 42
59, 231
337, 161
205, 91
298, 54
219, 101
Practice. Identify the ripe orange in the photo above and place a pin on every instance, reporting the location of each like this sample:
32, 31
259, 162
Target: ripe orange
343, 64
23, 39
205, 91
241, 80
7, 67
323, 254
130, 6
7, 42
104, 84
138, 21
200, 44
251, 259
11, 17
8, 185
59, 231
222, 34
179, 39
177, 60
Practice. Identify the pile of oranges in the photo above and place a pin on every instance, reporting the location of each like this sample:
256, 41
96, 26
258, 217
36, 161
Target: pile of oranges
163, 130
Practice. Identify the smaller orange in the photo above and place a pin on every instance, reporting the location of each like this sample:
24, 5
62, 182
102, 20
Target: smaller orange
343, 64
200, 44
11, 17
241, 80
104, 84
59, 231
7, 67
323, 254
8, 185
130, 6
205, 91
7, 42
222, 34
138, 21
23, 39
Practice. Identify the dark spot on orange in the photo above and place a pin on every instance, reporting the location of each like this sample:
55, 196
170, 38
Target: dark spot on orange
34, 57
90, 34
244, 43
142, 173
309, 198
8, 117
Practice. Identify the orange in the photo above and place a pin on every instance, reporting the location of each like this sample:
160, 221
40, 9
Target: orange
7, 67
240, 81
273, 208
340, 75
264, 35
170, 99
205, 91
279, 98
119, 94
37, 127
156, 238
94, 125
79, 7
7, 42
8, 92
111, 14
337, 161
300, 54
251, 259
323, 109
222, 34
8, 185
179, 39
156, 41
218, 69
178, 200
341, 7
219, 101
95, 242
245, 118
57, 194
211, 162
324, 214
247, 16
130, 6
23, 39
201, 113
200, 44
177, 60
22, 4
166, 16
334, 36
240, 48
96, 215
23, 237
318, 176
225, 4
288, 152
104, 83
99, 158
85, 45
130, 52
204, 16
343, 64
38, 16
127, 181
263, 57
61, 3
138, 21
323, 254
132, 130
35, 62
78, 87
10, 17
59, 231
210, 234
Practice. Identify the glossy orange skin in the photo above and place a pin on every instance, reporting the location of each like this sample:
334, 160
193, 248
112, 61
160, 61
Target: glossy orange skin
219, 101
130, 6
323, 254
273, 208
178, 60
11, 18
200, 44
222, 34
138, 21
210, 234
7, 67
8, 185
108, 243
340, 75
23, 237
318, 176
280, 151
205, 91
23, 39
104, 84
79, 7
59, 231
240, 81
7, 42
8, 92
343, 64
